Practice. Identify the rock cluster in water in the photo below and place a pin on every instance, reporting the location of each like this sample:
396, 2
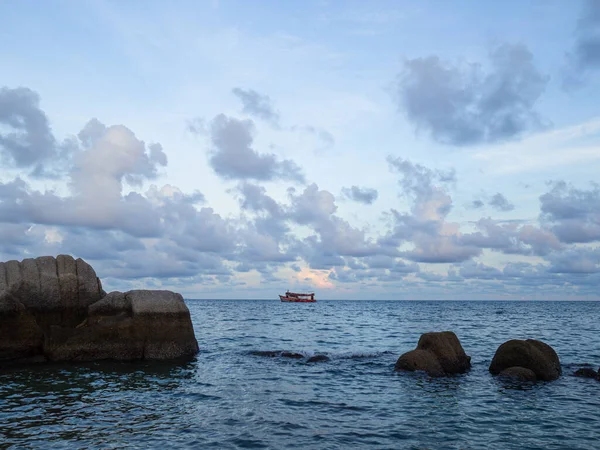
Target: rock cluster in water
529, 360
54, 309
438, 354
441, 354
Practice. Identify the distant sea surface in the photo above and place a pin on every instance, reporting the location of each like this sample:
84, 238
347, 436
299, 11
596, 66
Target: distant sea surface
231, 397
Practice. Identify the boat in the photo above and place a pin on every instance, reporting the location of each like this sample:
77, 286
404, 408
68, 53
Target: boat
298, 298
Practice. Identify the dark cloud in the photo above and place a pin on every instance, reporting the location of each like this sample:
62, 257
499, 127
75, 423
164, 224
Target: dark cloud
26, 139
257, 105
585, 54
501, 203
573, 214
466, 104
233, 157
360, 194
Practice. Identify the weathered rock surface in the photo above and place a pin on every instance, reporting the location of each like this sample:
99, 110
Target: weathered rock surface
55, 308
438, 354
531, 354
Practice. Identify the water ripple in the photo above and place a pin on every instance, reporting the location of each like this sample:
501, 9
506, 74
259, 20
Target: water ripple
229, 397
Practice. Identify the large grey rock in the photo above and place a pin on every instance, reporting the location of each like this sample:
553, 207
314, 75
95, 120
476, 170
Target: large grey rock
531, 354
13, 274
111, 304
437, 353
56, 307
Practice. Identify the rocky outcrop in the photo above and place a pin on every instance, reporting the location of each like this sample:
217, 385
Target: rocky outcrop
538, 357
55, 309
438, 354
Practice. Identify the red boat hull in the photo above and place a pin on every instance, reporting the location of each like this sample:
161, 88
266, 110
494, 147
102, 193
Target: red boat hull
283, 298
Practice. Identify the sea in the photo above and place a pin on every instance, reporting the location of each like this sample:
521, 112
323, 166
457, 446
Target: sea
244, 391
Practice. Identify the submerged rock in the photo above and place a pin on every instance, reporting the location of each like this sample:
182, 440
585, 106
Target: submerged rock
519, 373
292, 355
438, 354
275, 353
587, 372
317, 358
266, 353
531, 354
55, 309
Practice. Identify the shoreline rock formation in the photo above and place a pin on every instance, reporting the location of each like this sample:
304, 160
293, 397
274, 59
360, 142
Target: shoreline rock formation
529, 360
54, 309
437, 353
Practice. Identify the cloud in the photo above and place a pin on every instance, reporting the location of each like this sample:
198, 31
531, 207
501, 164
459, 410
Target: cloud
500, 203
477, 204
480, 271
360, 195
585, 54
378, 269
576, 261
465, 104
434, 239
325, 140
26, 139
334, 237
312, 206
232, 156
497, 201
573, 214
257, 105
511, 238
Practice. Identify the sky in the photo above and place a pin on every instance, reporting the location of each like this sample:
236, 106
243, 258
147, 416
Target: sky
359, 150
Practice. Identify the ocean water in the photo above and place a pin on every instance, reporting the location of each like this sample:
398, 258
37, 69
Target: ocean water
231, 397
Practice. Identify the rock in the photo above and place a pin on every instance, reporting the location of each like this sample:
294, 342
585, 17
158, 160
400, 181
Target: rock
318, 358
292, 355
438, 354
266, 353
20, 335
163, 319
275, 353
530, 354
587, 372
420, 360
519, 373
55, 309
112, 303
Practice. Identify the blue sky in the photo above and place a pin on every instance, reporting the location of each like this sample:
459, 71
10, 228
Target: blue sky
363, 150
